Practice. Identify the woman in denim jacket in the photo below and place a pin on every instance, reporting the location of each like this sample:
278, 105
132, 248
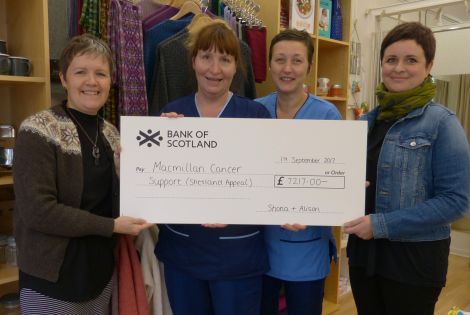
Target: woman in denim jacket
418, 169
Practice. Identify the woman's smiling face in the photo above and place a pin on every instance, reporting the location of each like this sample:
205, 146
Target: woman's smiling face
289, 66
88, 80
404, 66
214, 71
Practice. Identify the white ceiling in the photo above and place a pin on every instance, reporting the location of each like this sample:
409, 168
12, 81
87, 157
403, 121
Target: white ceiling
457, 12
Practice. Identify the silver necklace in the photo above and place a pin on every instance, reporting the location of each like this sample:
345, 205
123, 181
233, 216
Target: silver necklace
95, 152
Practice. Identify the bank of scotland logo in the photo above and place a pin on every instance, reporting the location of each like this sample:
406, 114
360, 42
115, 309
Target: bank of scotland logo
149, 138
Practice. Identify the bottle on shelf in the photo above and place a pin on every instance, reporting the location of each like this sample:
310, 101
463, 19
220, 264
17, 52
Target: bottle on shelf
3, 248
11, 251
336, 21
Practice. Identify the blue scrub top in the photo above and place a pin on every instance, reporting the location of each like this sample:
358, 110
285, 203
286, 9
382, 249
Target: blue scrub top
303, 255
236, 251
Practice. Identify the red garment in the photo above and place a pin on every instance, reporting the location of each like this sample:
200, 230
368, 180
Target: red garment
132, 297
256, 39
79, 14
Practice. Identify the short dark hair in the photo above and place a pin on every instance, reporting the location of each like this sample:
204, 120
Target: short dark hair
84, 44
416, 31
296, 36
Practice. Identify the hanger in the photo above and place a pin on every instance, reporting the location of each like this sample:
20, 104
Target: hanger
186, 8
200, 21
180, 3
195, 19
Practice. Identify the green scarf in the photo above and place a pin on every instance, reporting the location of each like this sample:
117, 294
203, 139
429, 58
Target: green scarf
394, 106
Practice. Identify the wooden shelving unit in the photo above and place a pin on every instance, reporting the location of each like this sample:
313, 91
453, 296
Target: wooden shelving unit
5, 180
8, 274
331, 60
9, 79
24, 26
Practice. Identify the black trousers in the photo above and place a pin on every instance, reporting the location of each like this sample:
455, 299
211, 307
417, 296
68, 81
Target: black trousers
376, 295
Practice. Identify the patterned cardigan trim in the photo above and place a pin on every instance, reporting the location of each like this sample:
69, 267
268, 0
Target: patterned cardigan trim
61, 131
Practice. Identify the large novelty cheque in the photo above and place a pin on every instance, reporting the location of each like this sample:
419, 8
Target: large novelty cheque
242, 171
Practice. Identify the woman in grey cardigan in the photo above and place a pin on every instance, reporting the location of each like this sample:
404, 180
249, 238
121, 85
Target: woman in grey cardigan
66, 188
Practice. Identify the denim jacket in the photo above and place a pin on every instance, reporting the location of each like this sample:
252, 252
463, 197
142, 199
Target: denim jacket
423, 176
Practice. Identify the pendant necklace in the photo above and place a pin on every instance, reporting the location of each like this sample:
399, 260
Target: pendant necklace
95, 152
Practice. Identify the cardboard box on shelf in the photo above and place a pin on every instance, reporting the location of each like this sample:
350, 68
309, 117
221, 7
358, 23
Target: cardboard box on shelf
302, 15
324, 19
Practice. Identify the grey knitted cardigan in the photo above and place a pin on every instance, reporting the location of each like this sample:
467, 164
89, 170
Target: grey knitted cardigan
48, 183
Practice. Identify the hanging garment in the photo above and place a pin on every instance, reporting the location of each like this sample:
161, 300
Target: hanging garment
110, 109
152, 38
104, 9
131, 291
173, 68
154, 280
158, 16
148, 7
126, 43
90, 17
74, 11
256, 39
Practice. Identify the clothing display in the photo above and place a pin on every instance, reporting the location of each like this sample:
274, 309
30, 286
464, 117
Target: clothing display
126, 42
152, 38
256, 40
89, 20
74, 13
135, 36
160, 15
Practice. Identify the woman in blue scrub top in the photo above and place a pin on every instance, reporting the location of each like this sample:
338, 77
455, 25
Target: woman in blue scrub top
299, 255
213, 268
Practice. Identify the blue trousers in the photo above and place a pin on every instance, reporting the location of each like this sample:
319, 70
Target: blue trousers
191, 296
302, 297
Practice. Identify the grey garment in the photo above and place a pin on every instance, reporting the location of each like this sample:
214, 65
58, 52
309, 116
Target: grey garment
173, 76
48, 183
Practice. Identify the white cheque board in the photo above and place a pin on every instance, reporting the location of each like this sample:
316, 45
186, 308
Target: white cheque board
242, 171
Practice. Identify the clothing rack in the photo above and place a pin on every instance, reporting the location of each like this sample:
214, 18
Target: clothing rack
246, 10
398, 9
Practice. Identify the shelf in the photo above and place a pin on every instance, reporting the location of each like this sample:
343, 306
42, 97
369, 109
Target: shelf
283, 29
8, 274
325, 42
334, 98
20, 79
6, 180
